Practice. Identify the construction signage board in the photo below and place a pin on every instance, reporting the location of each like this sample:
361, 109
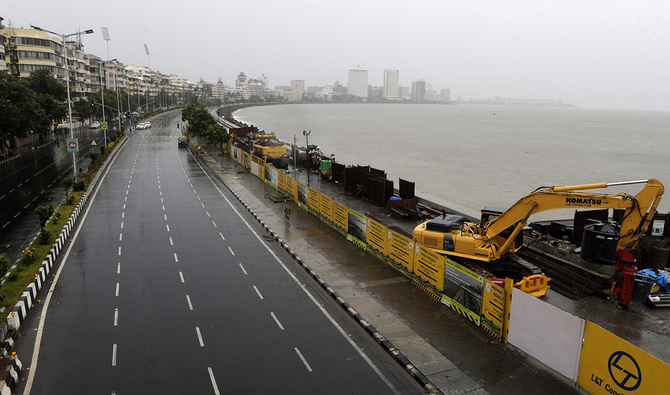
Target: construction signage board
291, 187
303, 192
271, 176
314, 200
463, 290
377, 237
340, 216
401, 251
429, 265
493, 309
611, 365
103, 126
326, 208
357, 229
282, 181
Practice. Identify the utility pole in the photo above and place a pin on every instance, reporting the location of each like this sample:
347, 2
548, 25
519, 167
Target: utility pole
309, 159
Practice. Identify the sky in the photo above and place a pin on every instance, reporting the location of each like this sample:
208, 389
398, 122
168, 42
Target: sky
594, 54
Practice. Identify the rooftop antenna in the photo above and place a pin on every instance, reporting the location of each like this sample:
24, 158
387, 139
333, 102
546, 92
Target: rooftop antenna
105, 36
146, 49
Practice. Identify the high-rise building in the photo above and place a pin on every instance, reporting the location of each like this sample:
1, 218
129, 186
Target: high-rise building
241, 81
358, 83
419, 90
391, 83
445, 95
298, 85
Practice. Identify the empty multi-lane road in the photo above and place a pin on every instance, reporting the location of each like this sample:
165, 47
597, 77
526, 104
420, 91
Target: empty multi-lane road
168, 287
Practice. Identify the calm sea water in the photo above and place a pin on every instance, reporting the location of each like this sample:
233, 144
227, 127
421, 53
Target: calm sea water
476, 156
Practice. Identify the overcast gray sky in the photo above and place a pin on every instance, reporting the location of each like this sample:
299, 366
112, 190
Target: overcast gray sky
595, 54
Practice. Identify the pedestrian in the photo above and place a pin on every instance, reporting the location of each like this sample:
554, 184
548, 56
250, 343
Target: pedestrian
287, 214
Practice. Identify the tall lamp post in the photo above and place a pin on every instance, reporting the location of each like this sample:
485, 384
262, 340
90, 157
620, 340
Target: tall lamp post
309, 159
67, 82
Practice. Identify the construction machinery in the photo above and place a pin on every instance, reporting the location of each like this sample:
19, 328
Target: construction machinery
261, 144
499, 231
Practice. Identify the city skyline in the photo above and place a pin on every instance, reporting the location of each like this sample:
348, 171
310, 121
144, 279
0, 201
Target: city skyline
593, 55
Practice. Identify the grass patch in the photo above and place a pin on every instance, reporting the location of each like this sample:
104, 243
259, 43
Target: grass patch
24, 274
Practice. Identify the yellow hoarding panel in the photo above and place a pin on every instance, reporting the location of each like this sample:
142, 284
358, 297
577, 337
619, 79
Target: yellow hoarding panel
271, 176
378, 236
326, 207
401, 250
314, 200
291, 187
340, 216
429, 266
611, 365
493, 309
282, 182
303, 196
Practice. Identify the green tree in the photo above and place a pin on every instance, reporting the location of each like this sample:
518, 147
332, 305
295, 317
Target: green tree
67, 183
84, 108
44, 212
51, 93
20, 110
217, 135
5, 264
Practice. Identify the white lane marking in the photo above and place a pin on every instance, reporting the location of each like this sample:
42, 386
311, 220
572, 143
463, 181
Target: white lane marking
117, 289
119, 250
211, 377
118, 268
188, 299
191, 185
123, 214
165, 216
222, 236
5, 225
120, 236
26, 206
128, 186
197, 330
116, 317
214, 224
276, 320
175, 258
161, 192
198, 197
126, 199
114, 355
258, 292
171, 243
17, 214
195, 191
309, 368
159, 187
163, 207
126, 192
124, 206
168, 227
121, 224
304, 289
242, 267
208, 214
231, 250
202, 204
162, 200
181, 275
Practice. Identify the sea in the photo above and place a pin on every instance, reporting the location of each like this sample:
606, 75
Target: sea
473, 156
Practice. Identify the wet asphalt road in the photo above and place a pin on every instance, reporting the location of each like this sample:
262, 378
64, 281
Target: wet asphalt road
35, 179
170, 288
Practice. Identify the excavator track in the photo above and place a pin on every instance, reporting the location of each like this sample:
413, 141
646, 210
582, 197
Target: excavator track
526, 265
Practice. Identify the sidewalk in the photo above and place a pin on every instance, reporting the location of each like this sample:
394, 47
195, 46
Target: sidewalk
457, 356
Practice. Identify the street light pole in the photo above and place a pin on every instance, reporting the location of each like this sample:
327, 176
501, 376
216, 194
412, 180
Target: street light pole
309, 161
67, 83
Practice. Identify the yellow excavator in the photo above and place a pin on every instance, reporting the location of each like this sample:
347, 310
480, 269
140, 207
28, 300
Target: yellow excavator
499, 231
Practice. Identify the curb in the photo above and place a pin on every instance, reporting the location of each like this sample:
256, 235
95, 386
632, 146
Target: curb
420, 378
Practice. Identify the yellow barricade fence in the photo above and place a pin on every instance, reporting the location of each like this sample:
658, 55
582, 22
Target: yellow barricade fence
314, 199
302, 197
326, 208
493, 309
281, 185
401, 251
463, 290
271, 176
377, 237
340, 217
291, 187
429, 267
611, 365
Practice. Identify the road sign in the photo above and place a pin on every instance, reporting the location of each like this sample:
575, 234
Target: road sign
94, 143
72, 145
114, 128
103, 125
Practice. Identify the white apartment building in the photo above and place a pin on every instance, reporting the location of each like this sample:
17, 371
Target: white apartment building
391, 84
357, 84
